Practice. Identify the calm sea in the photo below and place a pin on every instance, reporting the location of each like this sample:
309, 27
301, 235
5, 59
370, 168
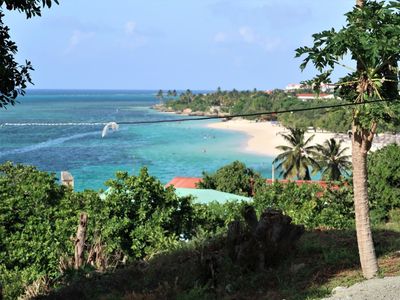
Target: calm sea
167, 149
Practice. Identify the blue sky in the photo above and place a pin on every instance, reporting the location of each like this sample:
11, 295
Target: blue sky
174, 44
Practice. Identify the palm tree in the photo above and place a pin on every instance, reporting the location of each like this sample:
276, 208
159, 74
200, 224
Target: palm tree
333, 163
160, 95
361, 143
371, 37
298, 157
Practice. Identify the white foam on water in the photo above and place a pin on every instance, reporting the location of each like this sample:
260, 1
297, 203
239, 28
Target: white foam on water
49, 143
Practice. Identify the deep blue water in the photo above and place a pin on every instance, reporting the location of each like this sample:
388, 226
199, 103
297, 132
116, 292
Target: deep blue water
167, 149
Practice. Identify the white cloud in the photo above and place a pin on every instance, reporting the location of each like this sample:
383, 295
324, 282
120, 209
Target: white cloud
133, 37
130, 27
220, 37
247, 34
270, 44
76, 38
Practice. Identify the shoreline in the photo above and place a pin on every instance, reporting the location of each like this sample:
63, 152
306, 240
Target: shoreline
264, 137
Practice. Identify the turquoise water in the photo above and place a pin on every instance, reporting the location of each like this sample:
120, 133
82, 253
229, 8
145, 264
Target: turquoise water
167, 149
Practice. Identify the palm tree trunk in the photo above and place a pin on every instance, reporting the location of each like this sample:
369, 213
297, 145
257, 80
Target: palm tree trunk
361, 143
365, 243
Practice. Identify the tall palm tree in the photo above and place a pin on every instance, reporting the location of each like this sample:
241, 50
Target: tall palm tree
361, 143
332, 160
298, 157
371, 37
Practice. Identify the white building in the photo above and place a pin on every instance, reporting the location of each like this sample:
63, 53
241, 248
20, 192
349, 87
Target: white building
306, 97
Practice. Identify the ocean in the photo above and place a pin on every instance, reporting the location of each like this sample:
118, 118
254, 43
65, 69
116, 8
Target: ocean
166, 149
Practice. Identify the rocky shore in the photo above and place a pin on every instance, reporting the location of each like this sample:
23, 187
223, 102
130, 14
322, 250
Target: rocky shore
189, 112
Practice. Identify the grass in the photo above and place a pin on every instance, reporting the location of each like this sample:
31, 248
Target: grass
322, 260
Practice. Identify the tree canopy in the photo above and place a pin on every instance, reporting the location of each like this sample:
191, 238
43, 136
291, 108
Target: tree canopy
384, 178
372, 38
15, 77
296, 158
234, 178
332, 159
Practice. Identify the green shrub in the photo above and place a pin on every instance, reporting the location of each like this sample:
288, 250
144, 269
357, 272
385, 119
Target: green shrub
384, 180
38, 217
140, 217
308, 204
214, 217
394, 215
29, 244
234, 178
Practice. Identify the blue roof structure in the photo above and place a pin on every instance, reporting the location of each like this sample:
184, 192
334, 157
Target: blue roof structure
205, 196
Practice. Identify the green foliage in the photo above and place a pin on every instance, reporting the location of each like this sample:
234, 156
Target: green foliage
296, 158
234, 178
308, 204
384, 179
30, 7
137, 218
141, 217
14, 77
371, 37
214, 217
332, 161
248, 102
29, 243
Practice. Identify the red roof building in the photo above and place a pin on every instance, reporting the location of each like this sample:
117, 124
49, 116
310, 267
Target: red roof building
190, 182
184, 182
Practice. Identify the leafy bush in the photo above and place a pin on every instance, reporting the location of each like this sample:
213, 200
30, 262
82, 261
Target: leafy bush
214, 217
29, 243
384, 180
138, 217
308, 204
234, 178
141, 217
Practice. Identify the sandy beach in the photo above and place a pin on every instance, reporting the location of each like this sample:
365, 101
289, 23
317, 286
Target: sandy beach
264, 137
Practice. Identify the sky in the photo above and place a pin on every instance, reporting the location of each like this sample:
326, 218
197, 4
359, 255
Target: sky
174, 44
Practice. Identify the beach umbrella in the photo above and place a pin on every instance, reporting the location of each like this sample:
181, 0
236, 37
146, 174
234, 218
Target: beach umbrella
111, 126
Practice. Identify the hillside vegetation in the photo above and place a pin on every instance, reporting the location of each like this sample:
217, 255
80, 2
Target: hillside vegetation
248, 102
144, 241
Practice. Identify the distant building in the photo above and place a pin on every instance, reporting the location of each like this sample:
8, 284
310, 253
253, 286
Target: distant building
309, 96
291, 87
184, 182
327, 87
324, 87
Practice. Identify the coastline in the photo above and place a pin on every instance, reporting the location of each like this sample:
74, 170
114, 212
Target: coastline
264, 137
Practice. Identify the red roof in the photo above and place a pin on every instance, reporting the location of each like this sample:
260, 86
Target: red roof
190, 182
184, 182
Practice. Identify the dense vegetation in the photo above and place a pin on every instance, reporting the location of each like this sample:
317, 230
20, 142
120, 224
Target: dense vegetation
38, 217
248, 102
138, 218
370, 38
234, 178
384, 182
299, 157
